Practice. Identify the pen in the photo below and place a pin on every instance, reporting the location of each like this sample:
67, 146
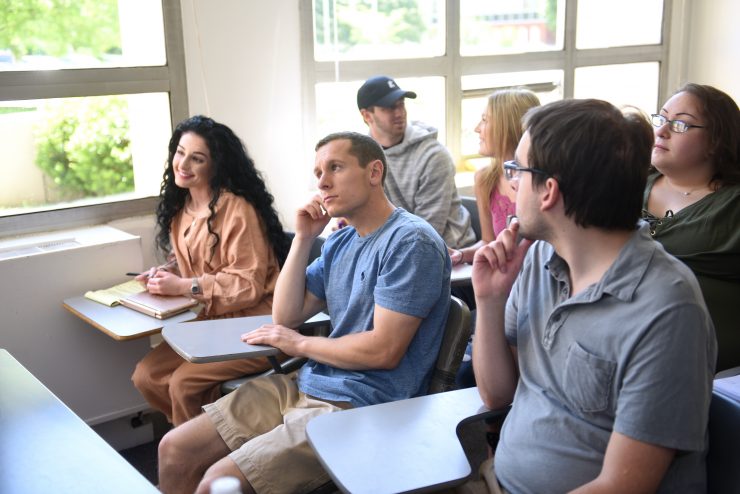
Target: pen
135, 274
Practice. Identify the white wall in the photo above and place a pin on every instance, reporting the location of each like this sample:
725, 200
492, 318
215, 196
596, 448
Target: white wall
88, 370
243, 69
714, 41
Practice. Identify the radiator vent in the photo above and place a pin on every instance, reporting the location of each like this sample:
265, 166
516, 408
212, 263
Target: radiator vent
38, 248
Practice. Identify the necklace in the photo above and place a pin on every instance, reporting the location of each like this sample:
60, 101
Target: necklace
688, 192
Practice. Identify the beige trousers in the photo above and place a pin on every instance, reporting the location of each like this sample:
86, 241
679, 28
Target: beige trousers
179, 388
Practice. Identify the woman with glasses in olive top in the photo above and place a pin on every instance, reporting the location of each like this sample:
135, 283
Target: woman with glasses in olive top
692, 200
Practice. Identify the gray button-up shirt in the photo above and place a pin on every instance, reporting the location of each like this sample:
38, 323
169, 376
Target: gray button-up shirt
633, 353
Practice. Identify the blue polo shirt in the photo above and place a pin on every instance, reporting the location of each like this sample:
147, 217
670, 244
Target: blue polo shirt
403, 266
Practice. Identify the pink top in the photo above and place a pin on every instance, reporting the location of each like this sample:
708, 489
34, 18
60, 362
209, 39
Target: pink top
501, 208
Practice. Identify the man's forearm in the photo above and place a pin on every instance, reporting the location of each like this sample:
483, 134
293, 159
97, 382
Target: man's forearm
493, 360
290, 291
381, 348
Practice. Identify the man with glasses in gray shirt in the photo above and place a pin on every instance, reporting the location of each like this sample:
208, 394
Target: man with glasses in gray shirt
598, 338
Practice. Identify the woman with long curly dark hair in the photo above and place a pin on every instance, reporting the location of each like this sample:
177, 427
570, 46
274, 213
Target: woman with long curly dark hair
225, 245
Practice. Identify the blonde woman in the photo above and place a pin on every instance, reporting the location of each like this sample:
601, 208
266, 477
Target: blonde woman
500, 129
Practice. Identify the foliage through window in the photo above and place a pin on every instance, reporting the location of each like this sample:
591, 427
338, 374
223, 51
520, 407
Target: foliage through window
477, 46
364, 30
86, 100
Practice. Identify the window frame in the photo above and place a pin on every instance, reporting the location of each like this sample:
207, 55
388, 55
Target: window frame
669, 53
68, 83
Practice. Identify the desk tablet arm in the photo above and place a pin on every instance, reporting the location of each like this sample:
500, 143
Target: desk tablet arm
493, 420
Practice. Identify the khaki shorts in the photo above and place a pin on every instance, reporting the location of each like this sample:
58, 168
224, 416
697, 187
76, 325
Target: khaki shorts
264, 422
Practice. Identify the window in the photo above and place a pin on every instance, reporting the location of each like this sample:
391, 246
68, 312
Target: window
557, 48
89, 92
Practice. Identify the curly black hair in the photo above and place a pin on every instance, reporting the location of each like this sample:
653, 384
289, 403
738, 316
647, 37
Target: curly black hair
233, 170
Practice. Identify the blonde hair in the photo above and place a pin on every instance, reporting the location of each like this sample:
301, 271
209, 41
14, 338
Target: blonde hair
504, 113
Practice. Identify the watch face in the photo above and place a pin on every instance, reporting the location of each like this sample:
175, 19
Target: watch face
195, 287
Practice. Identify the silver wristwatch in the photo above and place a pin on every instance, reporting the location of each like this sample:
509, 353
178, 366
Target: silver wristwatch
195, 287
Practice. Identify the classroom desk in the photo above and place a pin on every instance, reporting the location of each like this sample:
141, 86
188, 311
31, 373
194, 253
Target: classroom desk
461, 275
119, 322
219, 339
45, 447
402, 446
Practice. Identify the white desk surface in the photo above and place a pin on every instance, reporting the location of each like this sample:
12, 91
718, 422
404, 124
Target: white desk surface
45, 447
461, 275
119, 322
402, 446
220, 339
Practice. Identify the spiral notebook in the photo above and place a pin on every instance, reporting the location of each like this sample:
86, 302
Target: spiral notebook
158, 306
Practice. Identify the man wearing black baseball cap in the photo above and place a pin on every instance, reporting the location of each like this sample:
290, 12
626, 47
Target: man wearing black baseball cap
421, 174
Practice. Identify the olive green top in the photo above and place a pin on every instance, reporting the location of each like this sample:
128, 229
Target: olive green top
706, 237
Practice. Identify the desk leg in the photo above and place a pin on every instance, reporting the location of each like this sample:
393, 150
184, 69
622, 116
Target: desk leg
275, 364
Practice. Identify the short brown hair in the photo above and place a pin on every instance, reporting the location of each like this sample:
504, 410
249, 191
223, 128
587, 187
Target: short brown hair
363, 147
599, 156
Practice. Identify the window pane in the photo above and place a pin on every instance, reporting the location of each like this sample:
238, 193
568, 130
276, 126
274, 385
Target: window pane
74, 151
625, 23
634, 84
547, 84
378, 29
58, 34
336, 105
511, 26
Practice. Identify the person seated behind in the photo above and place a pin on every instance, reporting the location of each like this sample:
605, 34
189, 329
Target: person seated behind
601, 338
500, 129
421, 173
217, 219
384, 280
692, 200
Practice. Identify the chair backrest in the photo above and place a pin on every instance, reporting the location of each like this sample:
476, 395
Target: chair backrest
318, 243
454, 341
723, 460
472, 207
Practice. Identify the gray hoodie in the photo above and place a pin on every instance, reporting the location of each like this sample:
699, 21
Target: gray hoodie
421, 180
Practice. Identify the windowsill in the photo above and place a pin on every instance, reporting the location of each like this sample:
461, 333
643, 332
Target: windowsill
75, 217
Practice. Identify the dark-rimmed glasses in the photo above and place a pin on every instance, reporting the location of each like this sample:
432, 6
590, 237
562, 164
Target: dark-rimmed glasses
513, 170
677, 126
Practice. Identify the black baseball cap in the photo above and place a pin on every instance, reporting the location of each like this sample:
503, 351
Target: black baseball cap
380, 91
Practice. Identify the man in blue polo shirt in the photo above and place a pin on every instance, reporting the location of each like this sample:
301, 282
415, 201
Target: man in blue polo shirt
598, 338
385, 281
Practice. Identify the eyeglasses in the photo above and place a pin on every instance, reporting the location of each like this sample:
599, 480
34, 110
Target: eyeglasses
677, 126
513, 171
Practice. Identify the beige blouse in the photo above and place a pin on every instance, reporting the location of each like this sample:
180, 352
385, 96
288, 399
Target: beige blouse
238, 277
